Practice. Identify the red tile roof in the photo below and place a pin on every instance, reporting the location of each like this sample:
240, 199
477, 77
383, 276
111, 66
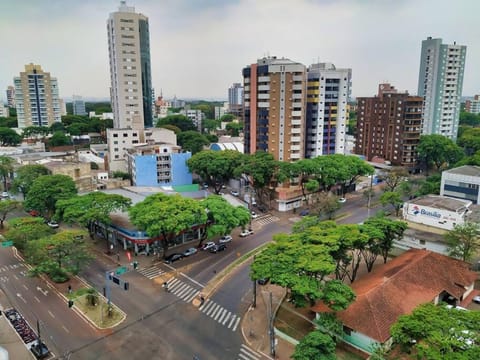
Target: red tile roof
399, 286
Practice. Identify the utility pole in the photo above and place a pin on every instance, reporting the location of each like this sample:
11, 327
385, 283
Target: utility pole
271, 331
254, 305
370, 195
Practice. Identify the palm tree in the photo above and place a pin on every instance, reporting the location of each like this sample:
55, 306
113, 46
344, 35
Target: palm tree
6, 168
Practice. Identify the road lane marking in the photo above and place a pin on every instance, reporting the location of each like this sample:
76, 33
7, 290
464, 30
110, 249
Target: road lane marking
204, 305
231, 321
38, 300
50, 313
213, 307
236, 324
192, 280
25, 286
221, 317
66, 330
15, 276
226, 318
188, 299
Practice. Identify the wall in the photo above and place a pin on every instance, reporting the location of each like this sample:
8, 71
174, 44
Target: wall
180, 173
146, 166
431, 216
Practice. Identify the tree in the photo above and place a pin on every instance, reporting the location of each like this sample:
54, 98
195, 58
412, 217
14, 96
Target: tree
59, 255
9, 137
6, 169
174, 128
394, 177
59, 139
326, 204
192, 141
227, 118
315, 346
392, 198
46, 190
91, 209
215, 167
165, 216
121, 175
463, 241
56, 126
210, 125
6, 207
35, 132
21, 230
435, 332
180, 121
431, 185
234, 129
470, 119
470, 140
26, 175
9, 122
438, 150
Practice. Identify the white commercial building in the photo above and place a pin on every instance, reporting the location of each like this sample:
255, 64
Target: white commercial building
437, 211
462, 183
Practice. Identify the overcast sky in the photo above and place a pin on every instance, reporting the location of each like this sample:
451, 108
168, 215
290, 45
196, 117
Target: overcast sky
199, 47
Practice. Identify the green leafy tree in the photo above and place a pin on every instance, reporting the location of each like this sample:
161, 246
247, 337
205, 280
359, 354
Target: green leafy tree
9, 137
210, 125
59, 139
59, 255
9, 122
174, 128
315, 346
436, 332
46, 190
470, 119
234, 129
26, 175
394, 178
212, 138
215, 167
326, 204
55, 127
165, 216
470, 160
463, 241
180, 121
431, 185
438, 150
21, 230
121, 175
470, 140
35, 132
227, 118
192, 141
91, 209
6, 169
392, 198
6, 207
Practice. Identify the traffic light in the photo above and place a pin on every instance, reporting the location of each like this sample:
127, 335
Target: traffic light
125, 285
70, 303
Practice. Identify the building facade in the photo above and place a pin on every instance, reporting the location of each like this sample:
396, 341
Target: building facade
389, 126
36, 97
195, 116
235, 100
328, 93
462, 183
274, 108
158, 164
473, 106
4, 111
78, 105
440, 83
130, 74
11, 96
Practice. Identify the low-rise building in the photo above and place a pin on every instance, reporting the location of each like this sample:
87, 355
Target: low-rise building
78, 171
473, 106
462, 183
437, 211
4, 111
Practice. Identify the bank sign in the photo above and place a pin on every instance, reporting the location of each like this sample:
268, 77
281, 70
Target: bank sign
416, 210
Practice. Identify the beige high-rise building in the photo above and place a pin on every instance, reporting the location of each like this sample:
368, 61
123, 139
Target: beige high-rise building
36, 97
130, 74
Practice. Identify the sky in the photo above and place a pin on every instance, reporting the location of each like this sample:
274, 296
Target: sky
199, 47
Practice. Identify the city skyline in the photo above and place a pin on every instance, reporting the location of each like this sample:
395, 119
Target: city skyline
199, 50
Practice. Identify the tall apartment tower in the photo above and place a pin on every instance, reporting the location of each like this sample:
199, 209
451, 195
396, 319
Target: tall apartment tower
440, 82
389, 126
36, 98
11, 96
130, 75
78, 105
235, 99
328, 92
275, 93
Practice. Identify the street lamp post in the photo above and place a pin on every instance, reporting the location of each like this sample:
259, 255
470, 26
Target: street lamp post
271, 330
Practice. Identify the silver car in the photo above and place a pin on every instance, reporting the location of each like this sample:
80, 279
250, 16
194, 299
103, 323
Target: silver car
189, 251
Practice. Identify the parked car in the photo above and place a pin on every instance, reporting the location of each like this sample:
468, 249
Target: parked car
5, 194
254, 215
235, 193
262, 208
205, 185
476, 299
33, 212
342, 200
246, 232
189, 251
53, 224
208, 245
304, 212
225, 239
172, 258
263, 281
40, 350
217, 248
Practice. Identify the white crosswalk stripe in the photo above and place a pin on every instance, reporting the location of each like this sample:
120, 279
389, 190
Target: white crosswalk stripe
184, 291
267, 219
151, 272
220, 314
248, 354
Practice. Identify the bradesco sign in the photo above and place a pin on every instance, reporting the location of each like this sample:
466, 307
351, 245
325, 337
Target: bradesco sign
416, 210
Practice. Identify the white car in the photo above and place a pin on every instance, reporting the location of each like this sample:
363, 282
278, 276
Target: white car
5, 194
53, 224
476, 299
342, 200
234, 193
246, 232
225, 239
254, 215
208, 245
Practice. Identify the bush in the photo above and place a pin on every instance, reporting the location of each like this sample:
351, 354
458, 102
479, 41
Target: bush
58, 275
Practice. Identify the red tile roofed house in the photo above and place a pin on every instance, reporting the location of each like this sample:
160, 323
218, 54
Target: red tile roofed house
416, 277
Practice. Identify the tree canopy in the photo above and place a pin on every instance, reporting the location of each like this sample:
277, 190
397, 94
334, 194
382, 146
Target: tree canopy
21, 230
6, 207
59, 139
6, 169
26, 175
463, 241
9, 137
438, 150
180, 121
315, 346
192, 141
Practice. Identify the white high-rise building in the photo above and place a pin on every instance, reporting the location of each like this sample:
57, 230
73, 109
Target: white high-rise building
11, 96
440, 82
328, 93
130, 74
78, 105
36, 98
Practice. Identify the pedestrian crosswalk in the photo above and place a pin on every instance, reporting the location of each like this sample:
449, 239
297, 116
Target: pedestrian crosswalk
184, 291
267, 219
151, 272
10, 267
220, 314
248, 354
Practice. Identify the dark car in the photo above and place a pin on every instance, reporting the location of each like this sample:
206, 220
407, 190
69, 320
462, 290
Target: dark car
40, 350
217, 248
304, 212
263, 281
172, 258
